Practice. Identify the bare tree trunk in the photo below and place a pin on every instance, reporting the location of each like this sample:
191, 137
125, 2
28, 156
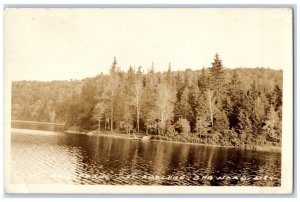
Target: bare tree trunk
163, 124
137, 117
111, 119
99, 123
210, 108
105, 118
119, 125
137, 92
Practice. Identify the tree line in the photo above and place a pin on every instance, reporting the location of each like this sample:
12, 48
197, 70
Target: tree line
213, 104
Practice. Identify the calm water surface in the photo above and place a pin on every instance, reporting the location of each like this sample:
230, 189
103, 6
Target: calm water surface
78, 159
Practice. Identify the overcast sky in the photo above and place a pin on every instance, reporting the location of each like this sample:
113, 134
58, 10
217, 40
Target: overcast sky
63, 44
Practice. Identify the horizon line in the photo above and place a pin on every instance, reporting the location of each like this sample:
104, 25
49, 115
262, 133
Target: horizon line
123, 71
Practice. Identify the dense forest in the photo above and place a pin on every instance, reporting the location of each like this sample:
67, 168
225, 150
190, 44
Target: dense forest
212, 105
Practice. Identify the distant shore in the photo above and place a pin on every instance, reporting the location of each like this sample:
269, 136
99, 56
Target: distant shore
156, 138
33, 132
39, 122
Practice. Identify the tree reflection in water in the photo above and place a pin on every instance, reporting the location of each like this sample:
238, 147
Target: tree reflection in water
106, 160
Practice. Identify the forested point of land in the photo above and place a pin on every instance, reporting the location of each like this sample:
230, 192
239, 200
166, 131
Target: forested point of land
212, 105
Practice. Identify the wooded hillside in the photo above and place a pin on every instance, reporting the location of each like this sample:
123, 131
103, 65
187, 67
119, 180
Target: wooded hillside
243, 103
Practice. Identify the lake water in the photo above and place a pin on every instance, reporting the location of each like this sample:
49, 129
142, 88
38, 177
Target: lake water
57, 158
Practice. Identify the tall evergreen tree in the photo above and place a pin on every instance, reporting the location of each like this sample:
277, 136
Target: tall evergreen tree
216, 73
112, 90
271, 123
215, 90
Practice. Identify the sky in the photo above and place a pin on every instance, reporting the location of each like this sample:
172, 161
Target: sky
63, 44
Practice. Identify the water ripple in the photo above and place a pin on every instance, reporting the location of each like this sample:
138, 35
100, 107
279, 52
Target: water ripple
69, 159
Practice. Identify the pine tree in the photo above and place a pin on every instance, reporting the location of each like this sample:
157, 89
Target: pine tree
202, 81
271, 123
278, 97
233, 101
215, 90
203, 120
194, 102
114, 68
183, 108
216, 73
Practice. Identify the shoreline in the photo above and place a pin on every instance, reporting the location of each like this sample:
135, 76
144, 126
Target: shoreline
127, 136
256, 148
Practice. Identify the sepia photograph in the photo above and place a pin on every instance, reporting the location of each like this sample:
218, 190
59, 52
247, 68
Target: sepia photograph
148, 100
